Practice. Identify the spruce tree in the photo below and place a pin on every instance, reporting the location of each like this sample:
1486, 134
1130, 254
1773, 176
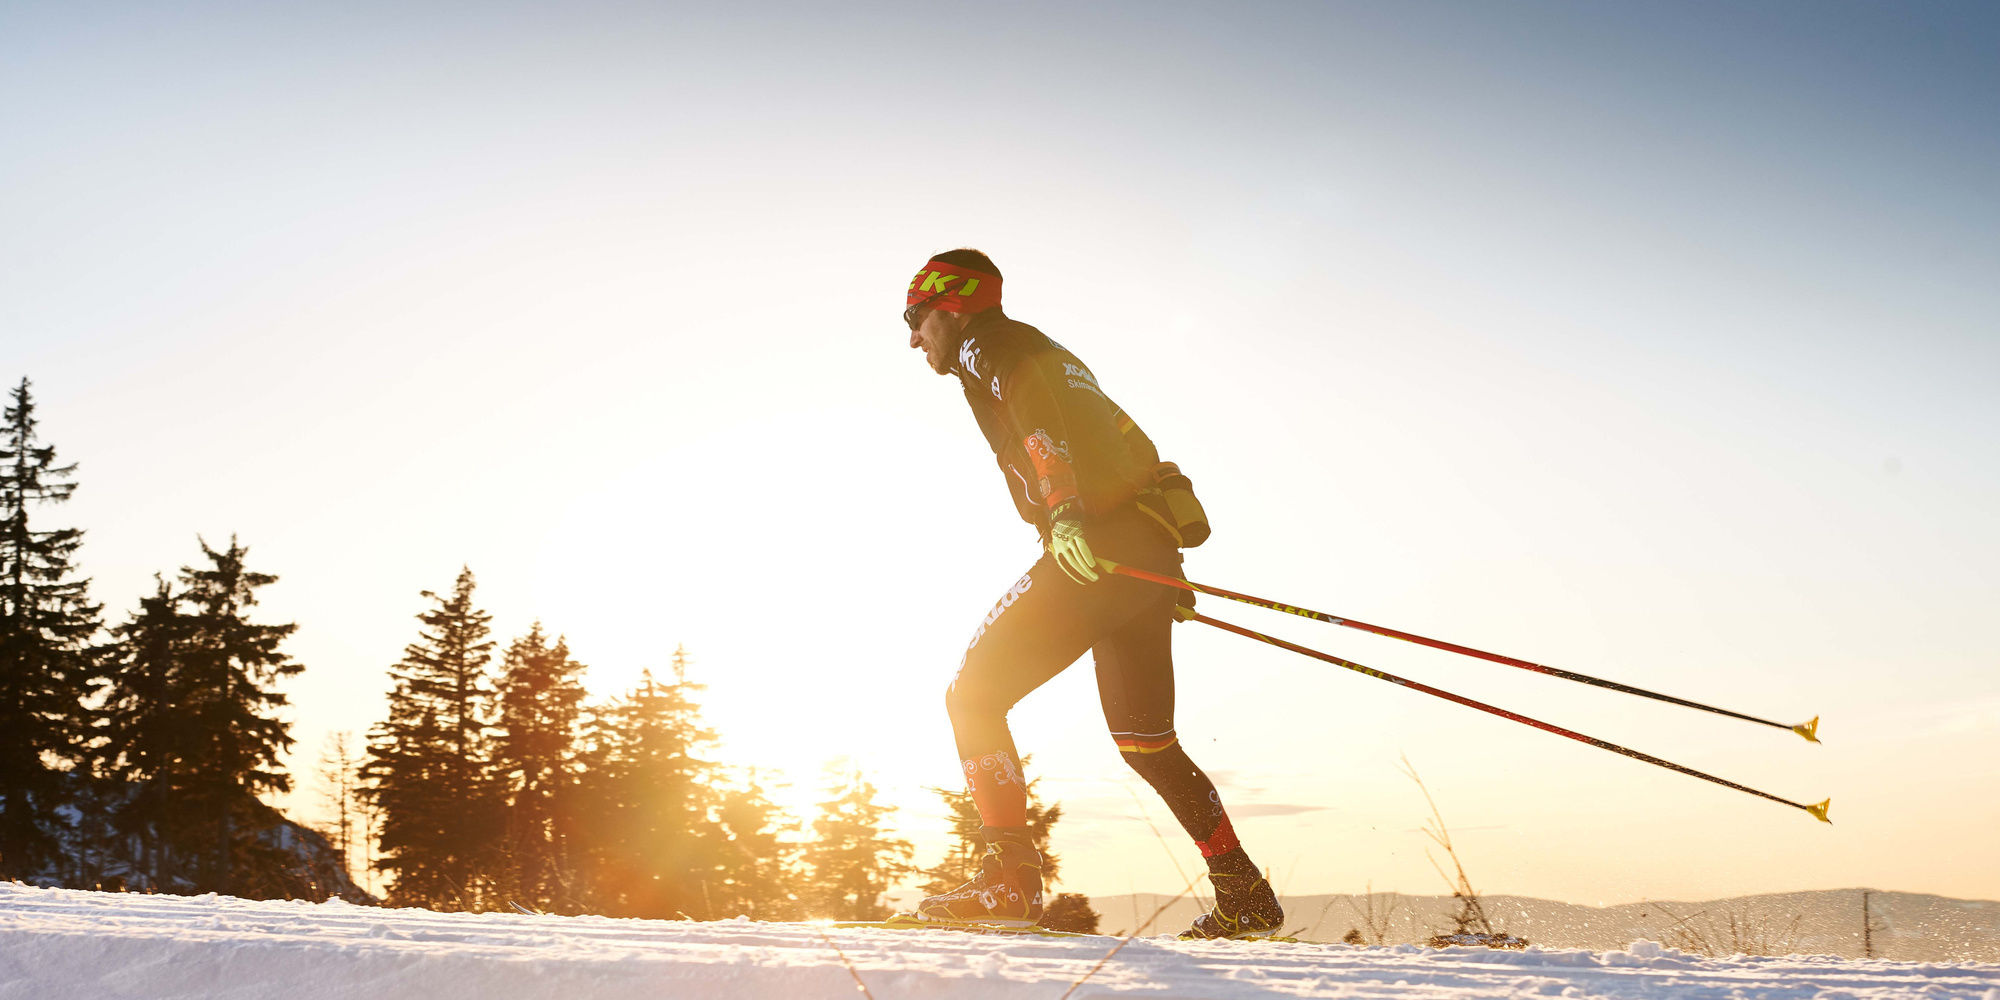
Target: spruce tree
754, 873
428, 762
191, 717
1070, 911
339, 775
230, 667
146, 742
407, 766
648, 801
851, 860
46, 626
536, 759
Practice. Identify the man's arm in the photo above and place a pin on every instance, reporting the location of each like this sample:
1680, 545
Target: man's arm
1035, 409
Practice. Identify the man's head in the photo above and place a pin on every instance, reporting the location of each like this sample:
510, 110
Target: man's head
951, 289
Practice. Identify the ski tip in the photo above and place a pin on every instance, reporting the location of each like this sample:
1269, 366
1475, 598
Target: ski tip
1819, 811
1809, 730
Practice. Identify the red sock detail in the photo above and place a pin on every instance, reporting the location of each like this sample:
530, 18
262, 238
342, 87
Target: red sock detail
997, 789
1222, 841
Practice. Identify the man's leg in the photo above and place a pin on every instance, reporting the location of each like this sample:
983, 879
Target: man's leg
1041, 626
1033, 633
1135, 681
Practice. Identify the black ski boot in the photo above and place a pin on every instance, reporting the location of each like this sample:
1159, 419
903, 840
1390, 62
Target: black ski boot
1007, 892
1245, 907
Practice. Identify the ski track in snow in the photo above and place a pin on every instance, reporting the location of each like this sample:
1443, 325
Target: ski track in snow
62, 944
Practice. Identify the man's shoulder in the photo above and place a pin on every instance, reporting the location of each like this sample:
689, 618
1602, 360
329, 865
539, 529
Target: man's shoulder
992, 347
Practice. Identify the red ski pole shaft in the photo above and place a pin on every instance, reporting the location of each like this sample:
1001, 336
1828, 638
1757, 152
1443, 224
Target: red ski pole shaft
1809, 730
1817, 811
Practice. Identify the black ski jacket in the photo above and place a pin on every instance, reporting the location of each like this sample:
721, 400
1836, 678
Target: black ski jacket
1059, 440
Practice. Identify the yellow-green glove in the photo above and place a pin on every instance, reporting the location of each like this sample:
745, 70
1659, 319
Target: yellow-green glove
1067, 545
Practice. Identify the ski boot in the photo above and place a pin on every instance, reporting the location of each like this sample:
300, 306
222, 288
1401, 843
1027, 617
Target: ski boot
1007, 892
1245, 907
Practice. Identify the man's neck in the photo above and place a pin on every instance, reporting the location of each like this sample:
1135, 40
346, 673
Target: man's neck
978, 322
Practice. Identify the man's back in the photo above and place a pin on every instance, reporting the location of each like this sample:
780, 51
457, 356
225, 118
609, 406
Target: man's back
1054, 431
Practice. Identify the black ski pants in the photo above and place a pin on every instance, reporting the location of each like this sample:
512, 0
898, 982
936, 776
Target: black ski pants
1042, 625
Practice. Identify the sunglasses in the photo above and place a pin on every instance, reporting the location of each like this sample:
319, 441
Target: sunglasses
912, 313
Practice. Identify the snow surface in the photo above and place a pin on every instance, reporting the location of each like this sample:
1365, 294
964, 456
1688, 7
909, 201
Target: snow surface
62, 944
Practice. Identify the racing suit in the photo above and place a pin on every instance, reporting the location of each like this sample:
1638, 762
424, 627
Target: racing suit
1067, 450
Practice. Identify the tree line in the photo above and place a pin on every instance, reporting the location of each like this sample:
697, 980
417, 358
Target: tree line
133, 754
136, 755
497, 785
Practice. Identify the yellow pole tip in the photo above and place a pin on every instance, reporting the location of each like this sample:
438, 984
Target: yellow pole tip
1819, 811
1809, 730
1185, 614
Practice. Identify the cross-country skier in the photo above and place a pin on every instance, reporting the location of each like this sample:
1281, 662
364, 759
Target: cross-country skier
1084, 474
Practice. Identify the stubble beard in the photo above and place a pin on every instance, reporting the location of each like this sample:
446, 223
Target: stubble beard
939, 359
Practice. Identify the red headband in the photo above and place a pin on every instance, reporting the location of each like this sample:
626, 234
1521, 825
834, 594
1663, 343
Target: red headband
954, 288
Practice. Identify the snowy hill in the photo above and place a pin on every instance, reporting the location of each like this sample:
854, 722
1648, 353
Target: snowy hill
1909, 926
61, 944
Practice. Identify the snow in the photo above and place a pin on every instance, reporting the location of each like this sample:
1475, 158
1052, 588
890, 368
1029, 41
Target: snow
61, 944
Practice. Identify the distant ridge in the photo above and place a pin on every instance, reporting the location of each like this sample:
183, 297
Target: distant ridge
1909, 927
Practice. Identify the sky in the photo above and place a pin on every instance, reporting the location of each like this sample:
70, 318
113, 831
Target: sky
1653, 342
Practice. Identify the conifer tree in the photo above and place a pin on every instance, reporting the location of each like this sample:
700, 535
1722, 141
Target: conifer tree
191, 715
851, 860
754, 865
427, 768
416, 828
1070, 911
145, 742
648, 799
536, 759
339, 778
46, 626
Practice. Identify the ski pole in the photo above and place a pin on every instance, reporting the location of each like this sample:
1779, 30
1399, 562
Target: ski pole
1818, 811
1809, 730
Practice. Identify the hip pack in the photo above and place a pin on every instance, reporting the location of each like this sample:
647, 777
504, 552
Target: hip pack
1171, 501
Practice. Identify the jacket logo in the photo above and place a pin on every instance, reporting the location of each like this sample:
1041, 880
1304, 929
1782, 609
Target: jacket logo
1043, 447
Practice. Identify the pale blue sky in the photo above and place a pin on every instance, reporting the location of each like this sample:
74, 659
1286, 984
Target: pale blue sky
1656, 342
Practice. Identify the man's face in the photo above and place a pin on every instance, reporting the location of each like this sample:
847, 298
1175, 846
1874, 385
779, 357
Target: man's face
934, 332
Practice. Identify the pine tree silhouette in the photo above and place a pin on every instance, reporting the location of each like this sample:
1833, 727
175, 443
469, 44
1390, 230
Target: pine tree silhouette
754, 865
191, 718
428, 762
1070, 911
648, 800
146, 743
339, 775
536, 760
851, 861
46, 626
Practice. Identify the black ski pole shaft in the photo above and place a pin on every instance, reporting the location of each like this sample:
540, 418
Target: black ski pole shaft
1817, 811
1809, 730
